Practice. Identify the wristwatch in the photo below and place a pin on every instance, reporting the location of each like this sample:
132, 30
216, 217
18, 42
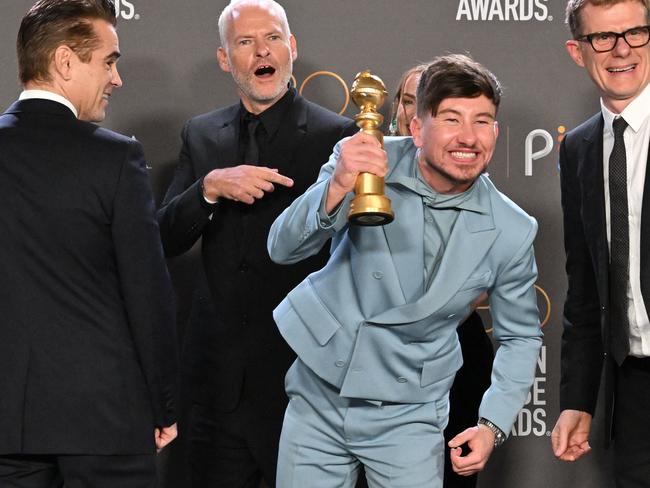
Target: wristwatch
499, 436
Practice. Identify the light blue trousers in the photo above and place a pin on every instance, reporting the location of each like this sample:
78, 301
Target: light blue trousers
326, 438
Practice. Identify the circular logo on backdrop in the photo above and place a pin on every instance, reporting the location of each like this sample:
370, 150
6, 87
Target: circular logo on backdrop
543, 303
340, 83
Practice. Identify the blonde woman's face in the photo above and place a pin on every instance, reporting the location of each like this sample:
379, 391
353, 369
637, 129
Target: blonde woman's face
406, 106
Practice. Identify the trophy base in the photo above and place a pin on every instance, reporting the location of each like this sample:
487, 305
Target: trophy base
371, 219
370, 210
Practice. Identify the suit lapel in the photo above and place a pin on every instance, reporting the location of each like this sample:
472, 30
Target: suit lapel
590, 174
407, 253
222, 151
227, 140
289, 136
471, 238
645, 237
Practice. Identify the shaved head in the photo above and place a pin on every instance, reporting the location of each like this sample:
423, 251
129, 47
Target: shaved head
231, 11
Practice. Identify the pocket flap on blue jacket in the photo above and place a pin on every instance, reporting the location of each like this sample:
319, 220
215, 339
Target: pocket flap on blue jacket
316, 317
440, 368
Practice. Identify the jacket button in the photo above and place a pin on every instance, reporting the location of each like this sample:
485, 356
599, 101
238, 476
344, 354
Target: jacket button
377, 275
243, 267
339, 363
401, 379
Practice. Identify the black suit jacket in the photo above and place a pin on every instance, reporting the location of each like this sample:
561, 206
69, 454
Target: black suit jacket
87, 349
587, 328
232, 344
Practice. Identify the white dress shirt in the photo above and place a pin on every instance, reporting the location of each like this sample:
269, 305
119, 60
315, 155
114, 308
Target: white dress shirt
636, 136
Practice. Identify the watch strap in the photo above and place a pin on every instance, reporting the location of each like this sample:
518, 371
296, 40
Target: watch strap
499, 435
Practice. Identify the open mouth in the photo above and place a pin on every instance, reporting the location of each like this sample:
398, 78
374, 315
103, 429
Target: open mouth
265, 71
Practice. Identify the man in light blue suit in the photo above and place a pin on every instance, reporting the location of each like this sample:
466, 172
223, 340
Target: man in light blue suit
375, 330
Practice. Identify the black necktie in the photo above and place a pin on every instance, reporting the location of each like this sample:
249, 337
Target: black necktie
252, 152
619, 267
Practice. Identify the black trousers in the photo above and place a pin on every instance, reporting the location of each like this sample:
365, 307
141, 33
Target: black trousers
52, 471
632, 424
236, 449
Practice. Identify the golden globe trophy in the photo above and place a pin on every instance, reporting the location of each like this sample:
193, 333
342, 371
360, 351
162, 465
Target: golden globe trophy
370, 206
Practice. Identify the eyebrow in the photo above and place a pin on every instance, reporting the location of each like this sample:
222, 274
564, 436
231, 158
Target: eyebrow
266, 34
456, 112
614, 32
114, 56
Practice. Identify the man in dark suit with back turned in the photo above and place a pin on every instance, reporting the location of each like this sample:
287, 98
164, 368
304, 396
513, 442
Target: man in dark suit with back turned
606, 205
87, 344
239, 167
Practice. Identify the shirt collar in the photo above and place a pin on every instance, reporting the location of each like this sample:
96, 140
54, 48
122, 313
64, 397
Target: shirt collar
412, 179
467, 200
635, 114
272, 117
48, 95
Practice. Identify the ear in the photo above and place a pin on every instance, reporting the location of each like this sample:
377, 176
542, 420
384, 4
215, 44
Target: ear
496, 129
222, 58
63, 62
416, 131
574, 49
294, 47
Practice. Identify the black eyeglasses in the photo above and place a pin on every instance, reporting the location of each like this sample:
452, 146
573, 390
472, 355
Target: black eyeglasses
603, 42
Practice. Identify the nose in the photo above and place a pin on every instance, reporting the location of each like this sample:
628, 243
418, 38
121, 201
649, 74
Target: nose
621, 48
262, 49
116, 79
467, 134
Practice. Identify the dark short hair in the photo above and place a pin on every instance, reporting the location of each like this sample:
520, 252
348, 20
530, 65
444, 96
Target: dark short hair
52, 23
455, 76
574, 7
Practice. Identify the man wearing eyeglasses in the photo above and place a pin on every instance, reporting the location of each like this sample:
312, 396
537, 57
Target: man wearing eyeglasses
607, 240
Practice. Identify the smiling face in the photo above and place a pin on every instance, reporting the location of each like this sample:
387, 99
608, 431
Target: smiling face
259, 54
620, 74
91, 84
456, 144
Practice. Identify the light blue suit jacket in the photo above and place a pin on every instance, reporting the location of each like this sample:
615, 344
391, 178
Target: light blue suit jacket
365, 324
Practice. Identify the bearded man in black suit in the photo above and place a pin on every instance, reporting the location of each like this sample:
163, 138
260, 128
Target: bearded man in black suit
87, 334
239, 168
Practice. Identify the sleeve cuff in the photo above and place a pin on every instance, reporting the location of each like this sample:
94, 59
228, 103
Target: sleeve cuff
325, 220
205, 202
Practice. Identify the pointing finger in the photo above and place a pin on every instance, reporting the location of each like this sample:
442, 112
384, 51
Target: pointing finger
273, 176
